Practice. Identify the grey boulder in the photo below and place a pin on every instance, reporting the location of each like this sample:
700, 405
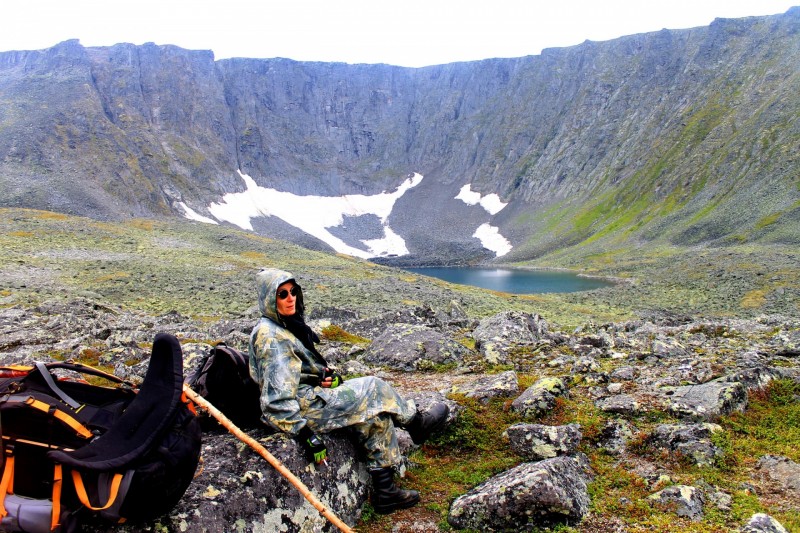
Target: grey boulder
549, 492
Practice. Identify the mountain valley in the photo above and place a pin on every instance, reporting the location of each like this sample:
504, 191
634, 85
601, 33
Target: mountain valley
679, 138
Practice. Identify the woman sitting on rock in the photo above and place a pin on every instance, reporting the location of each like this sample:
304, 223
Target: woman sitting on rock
302, 396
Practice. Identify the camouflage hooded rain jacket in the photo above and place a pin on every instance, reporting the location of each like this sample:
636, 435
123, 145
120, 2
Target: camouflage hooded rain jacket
289, 376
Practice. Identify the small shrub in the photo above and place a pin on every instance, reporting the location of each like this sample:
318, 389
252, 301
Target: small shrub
728, 460
770, 425
577, 410
335, 333
467, 342
640, 444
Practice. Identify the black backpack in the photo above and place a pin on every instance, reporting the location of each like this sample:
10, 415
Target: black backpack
75, 451
223, 378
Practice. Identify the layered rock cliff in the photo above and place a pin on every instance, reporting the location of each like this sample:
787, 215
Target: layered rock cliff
687, 137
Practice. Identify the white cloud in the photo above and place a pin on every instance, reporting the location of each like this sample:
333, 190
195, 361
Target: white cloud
314, 214
415, 33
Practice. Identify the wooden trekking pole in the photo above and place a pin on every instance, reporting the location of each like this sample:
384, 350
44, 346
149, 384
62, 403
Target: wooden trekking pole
271, 459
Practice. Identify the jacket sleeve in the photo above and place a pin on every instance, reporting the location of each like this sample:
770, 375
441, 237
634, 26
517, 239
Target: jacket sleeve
277, 370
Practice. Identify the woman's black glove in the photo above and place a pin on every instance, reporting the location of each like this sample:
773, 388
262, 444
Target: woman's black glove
313, 445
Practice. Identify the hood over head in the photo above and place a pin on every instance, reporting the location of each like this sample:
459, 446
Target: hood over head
267, 282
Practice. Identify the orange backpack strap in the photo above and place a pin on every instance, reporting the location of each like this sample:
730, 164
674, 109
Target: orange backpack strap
63, 416
14, 371
55, 517
84, 497
7, 482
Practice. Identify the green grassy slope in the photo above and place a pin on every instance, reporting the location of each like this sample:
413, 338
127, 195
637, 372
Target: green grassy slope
207, 271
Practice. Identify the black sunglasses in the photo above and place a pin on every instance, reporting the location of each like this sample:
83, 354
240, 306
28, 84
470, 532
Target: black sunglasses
283, 293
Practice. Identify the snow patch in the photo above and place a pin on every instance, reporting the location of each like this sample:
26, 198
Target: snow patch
491, 202
391, 244
492, 240
313, 214
191, 214
488, 235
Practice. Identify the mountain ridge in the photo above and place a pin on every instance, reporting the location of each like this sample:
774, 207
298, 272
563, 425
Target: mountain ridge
679, 136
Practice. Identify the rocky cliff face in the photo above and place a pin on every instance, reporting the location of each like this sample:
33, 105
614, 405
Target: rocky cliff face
688, 137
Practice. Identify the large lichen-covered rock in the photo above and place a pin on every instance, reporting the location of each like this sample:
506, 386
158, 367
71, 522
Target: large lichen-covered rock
549, 492
453, 315
667, 347
540, 397
708, 401
623, 404
755, 378
412, 347
497, 335
693, 441
505, 384
684, 500
787, 343
780, 474
372, 325
763, 523
535, 442
235, 489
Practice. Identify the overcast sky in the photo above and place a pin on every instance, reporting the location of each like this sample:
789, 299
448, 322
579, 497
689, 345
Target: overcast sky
410, 33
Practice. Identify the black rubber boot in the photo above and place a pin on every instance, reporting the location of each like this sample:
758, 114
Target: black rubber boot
423, 425
386, 496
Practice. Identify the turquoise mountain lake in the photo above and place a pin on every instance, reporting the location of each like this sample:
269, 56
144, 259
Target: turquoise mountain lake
514, 280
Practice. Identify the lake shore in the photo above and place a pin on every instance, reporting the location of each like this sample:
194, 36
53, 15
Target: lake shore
514, 280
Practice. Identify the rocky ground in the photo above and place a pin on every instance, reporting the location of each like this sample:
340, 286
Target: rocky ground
615, 410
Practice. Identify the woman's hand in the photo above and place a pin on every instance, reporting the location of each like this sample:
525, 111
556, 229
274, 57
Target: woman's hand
313, 445
332, 379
